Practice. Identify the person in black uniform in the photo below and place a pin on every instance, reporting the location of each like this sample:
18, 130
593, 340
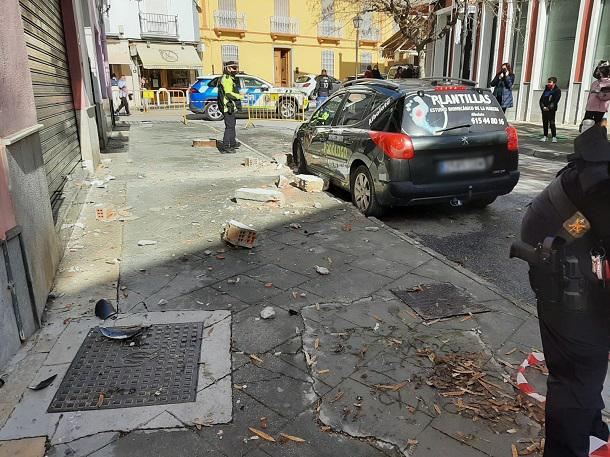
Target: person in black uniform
565, 236
324, 86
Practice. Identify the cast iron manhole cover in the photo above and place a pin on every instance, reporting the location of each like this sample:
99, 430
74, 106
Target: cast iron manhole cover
161, 368
435, 301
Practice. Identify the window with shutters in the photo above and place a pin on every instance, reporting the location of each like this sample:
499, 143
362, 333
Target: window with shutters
227, 5
282, 8
328, 62
229, 52
366, 59
328, 10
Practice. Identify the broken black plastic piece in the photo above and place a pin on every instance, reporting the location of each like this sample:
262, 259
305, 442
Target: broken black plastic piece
42, 384
120, 333
104, 309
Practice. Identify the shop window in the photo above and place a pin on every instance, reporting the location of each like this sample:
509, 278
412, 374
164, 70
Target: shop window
603, 40
560, 40
521, 9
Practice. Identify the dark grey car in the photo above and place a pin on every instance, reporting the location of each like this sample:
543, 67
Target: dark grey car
393, 143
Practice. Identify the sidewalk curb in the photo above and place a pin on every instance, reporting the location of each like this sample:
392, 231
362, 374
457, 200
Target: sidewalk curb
483, 282
555, 157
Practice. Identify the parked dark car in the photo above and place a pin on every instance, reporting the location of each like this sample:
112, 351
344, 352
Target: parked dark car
414, 141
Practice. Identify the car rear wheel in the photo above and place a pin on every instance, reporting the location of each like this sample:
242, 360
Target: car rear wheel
288, 109
481, 203
212, 112
299, 158
363, 192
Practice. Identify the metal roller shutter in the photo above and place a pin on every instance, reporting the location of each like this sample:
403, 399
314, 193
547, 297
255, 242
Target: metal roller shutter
42, 22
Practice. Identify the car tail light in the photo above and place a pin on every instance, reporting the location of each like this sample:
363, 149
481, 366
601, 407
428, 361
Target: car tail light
394, 145
306, 84
193, 90
512, 139
449, 88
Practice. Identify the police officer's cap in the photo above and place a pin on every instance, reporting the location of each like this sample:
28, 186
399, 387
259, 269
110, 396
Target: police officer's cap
232, 63
592, 145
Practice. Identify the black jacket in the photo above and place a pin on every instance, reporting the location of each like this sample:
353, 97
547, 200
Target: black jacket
550, 98
324, 86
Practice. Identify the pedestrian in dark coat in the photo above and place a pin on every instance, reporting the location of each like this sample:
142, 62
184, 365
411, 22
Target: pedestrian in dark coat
376, 72
549, 100
503, 86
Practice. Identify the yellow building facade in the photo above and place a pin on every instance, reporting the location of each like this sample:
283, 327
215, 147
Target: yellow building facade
278, 39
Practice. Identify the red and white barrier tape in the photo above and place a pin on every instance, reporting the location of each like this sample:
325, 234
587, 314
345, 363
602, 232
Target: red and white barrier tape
532, 360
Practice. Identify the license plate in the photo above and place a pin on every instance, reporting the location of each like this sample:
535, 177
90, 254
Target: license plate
463, 165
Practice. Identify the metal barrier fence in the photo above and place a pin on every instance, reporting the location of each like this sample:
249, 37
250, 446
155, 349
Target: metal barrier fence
163, 99
287, 106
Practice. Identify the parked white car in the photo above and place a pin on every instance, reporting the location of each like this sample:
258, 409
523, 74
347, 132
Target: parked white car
307, 83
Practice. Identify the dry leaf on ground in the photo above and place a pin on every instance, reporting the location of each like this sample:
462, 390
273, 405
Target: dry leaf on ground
296, 439
262, 434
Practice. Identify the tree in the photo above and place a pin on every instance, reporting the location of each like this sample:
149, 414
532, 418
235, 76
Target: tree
416, 19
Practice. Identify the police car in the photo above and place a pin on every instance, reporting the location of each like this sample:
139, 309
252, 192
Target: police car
413, 141
258, 94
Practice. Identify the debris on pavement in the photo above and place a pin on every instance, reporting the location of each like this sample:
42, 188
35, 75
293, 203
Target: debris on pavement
209, 143
371, 229
146, 243
259, 195
43, 384
296, 439
162, 302
238, 234
309, 183
252, 162
268, 313
283, 181
262, 434
463, 378
104, 309
120, 333
295, 226
322, 270
105, 213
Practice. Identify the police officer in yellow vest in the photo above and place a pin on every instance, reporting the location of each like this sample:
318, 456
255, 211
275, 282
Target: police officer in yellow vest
229, 102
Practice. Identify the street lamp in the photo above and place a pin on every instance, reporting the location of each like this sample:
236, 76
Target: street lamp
357, 24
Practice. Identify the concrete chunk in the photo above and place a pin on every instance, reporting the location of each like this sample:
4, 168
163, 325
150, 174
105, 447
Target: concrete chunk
259, 195
309, 183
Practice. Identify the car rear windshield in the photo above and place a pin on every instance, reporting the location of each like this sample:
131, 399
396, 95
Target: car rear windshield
302, 79
448, 112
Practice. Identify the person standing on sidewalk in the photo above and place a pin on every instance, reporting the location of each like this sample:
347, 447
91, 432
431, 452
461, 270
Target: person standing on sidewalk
565, 236
124, 95
229, 101
368, 74
599, 97
503, 86
324, 86
549, 100
376, 72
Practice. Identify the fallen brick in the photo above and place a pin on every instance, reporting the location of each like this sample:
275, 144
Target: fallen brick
238, 234
204, 143
252, 162
259, 195
309, 183
283, 181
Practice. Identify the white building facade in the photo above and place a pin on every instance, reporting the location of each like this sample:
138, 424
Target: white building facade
539, 38
155, 40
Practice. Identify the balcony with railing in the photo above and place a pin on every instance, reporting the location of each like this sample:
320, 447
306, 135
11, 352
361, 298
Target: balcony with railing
329, 31
229, 22
284, 27
371, 35
154, 25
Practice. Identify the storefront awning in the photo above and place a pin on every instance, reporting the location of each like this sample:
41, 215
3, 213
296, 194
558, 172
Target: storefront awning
168, 56
118, 53
396, 42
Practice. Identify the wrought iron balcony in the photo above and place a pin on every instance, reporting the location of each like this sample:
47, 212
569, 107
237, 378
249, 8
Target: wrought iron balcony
158, 25
372, 34
329, 30
229, 21
284, 26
